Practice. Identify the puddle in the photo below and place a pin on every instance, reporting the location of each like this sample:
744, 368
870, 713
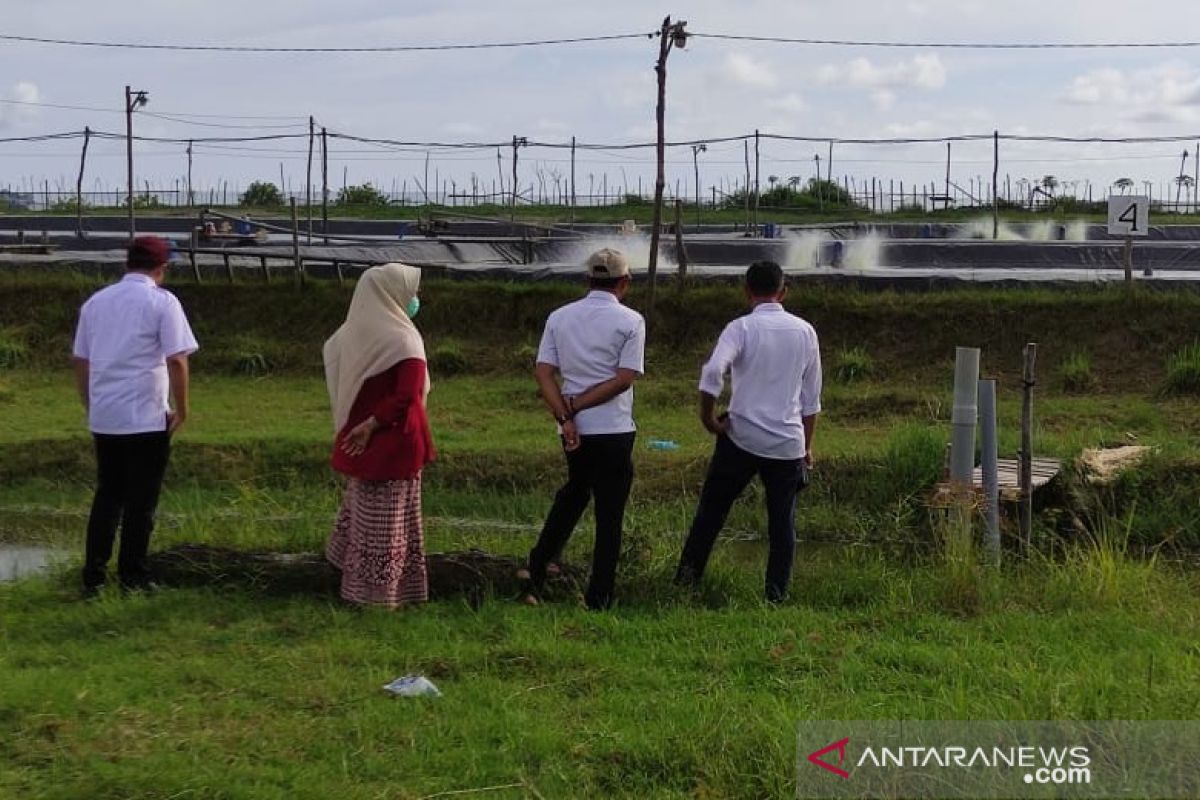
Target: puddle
17, 560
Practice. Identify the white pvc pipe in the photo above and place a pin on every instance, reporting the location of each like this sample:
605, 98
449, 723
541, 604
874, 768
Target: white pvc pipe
966, 388
991, 480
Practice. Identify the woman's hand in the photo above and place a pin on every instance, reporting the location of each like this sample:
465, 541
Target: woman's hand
356, 439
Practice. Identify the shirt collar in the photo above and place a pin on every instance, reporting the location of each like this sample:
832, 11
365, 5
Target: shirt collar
138, 277
602, 296
768, 308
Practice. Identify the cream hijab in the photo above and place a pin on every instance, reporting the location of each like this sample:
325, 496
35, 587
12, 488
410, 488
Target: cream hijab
376, 335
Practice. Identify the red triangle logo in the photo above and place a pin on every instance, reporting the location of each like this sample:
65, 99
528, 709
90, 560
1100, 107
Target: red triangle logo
840, 747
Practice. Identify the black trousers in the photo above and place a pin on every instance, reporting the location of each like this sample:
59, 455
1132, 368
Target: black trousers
601, 468
129, 476
730, 470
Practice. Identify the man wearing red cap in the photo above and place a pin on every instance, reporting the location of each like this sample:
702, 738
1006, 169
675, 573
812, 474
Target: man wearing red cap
131, 351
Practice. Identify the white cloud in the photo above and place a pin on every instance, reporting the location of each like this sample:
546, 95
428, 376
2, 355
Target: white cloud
462, 129
749, 72
790, 103
21, 92
1165, 93
924, 71
883, 99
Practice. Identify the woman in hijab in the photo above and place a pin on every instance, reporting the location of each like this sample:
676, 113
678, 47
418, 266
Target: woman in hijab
377, 377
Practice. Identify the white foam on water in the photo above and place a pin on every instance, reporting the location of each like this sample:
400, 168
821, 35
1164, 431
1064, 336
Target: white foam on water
1077, 230
635, 246
982, 229
804, 249
864, 253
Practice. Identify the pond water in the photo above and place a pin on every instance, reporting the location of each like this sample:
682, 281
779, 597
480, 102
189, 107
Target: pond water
19, 560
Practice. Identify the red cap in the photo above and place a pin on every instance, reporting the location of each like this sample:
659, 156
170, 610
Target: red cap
148, 253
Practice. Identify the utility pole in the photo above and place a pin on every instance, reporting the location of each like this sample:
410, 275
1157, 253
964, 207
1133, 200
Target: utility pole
87, 135
669, 36
517, 143
324, 186
696, 150
820, 189
572, 181
191, 197
312, 132
134, 99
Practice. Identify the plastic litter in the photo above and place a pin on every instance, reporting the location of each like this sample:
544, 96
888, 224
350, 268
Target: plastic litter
412, 686
662, 444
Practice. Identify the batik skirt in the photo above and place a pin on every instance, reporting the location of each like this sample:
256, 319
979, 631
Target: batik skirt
379, 545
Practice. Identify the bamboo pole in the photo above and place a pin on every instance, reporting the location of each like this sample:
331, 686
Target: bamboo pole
669, 34
296, 244
1025, 462
312, 131
87, 135
324, 185
680, 249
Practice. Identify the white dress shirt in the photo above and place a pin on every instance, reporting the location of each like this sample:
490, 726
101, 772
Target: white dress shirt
775, 363
126, 332
588, 341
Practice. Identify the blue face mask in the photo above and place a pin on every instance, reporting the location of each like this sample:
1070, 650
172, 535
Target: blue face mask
414, 306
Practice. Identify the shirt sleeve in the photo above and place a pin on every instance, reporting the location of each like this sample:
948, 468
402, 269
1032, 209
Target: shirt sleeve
633, 352
810, 382
729, 347
174, 332
548, 349
81, 348
407, 388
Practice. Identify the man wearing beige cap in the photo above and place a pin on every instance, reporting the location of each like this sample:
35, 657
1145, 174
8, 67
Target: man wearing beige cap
596, 348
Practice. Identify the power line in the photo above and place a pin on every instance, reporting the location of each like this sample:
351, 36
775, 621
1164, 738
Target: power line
225, 125
222, 48
100, 109
947, 45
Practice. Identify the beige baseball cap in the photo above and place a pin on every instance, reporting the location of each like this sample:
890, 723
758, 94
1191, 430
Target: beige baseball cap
607, 263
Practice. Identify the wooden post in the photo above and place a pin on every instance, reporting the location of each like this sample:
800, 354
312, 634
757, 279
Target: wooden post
947, 202
746, 155
192, 255
228, 267
666, 40
312, 130
1025, 464
87, 135
680, 250
324, 186
757, 185
1127, 259
337, 266
995, 184
262, 260
572, 181
296, 243
516, 143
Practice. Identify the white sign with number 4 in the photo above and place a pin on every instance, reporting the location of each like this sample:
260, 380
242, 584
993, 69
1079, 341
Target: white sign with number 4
1128, 215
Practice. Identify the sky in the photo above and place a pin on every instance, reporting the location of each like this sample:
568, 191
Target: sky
601, 92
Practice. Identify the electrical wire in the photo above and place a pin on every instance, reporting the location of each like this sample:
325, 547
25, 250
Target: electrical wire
223, 48
946, 45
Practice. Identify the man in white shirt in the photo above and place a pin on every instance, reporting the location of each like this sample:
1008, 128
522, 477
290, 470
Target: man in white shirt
596, 346
774, 360
131, 351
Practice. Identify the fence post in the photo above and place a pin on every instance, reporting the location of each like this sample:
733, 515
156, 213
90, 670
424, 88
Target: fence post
991, 481
1025, 463
296, 244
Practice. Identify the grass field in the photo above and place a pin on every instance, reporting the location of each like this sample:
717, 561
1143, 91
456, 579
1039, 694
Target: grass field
247, 691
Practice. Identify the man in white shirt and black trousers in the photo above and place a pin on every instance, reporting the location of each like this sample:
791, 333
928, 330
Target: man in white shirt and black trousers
774, 361
131, 351
597, 346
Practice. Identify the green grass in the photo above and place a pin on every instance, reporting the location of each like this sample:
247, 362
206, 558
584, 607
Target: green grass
1075, 372
1183, 370
852, 364
243, 691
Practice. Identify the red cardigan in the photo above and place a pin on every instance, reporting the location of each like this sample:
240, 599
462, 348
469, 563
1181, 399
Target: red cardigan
404, 444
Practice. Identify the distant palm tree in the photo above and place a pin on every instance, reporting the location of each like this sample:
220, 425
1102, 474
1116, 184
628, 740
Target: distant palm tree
772, 180
1124, 184
793, 181
1050, 183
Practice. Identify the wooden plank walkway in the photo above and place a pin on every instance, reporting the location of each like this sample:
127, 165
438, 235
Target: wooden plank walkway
1044, 470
